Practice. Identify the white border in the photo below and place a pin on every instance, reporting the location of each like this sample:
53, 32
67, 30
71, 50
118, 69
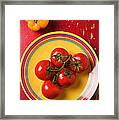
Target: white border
105, 15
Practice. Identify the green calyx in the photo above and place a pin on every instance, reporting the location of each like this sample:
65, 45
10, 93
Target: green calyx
77, 63
58, 57
67, 73
35, 21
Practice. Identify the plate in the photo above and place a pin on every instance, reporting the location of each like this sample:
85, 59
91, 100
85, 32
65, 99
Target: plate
40, 49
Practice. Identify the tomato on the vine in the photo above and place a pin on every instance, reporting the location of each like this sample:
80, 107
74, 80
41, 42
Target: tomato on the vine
59, 56
50, 90
79, 62
43, 70
66, 77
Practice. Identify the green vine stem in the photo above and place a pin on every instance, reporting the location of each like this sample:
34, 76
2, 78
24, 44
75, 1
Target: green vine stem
54, 81
57, 70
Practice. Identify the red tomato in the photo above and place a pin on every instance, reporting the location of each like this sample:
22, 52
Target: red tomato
79, 62
66, 77
50, 90
58, 56
43, 70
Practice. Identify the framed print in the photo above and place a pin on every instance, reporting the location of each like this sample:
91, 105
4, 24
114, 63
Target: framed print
59, 60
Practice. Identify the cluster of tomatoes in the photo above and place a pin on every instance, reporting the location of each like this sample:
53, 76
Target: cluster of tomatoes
60, 71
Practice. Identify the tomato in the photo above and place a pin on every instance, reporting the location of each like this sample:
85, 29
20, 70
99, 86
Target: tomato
50, 90
66, 77
43, 70
32, 24
43, 23
37, 24
79, 62
59, 56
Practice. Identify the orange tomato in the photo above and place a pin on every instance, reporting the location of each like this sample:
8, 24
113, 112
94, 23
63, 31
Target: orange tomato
37, 24
43, 23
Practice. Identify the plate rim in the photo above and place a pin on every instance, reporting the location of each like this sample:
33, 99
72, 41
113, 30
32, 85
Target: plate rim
50, 33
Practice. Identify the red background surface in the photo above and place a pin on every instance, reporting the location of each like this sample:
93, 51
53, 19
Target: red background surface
87, 29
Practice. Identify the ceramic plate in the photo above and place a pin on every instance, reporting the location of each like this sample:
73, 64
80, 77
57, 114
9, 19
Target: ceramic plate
40, 49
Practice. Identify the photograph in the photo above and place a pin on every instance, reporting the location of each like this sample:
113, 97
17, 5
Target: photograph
59, 59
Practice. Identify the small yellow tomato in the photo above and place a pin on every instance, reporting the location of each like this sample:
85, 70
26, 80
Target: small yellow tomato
43, 23
32, 24
37, 24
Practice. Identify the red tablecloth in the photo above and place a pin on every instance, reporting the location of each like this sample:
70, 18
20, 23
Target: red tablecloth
87, 29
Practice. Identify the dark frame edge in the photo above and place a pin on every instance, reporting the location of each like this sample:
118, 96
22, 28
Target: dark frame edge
116, 49
100, 117
60, 2
2, 59
2, 62
0, 68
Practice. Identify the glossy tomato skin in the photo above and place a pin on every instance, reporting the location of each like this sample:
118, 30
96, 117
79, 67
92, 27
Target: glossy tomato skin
50, 90
79, 62
58, 56
66, 77
42, 70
